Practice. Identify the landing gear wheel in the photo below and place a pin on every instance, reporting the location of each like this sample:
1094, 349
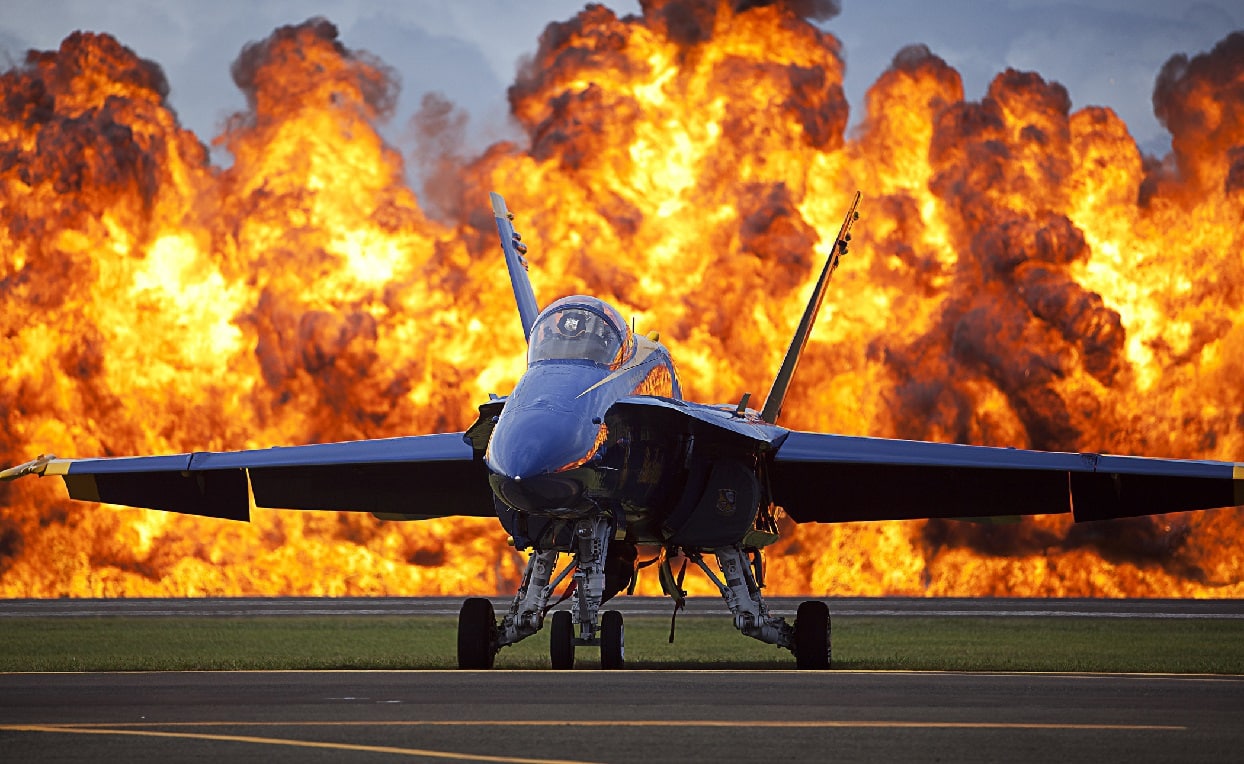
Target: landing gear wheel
812, 646
477, 633
612, 649
561, 641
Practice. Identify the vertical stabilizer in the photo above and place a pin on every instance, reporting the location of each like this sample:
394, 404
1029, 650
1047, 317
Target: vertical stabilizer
777, 393
516, 264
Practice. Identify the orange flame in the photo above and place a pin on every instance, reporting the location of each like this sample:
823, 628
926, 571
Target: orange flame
1022, 276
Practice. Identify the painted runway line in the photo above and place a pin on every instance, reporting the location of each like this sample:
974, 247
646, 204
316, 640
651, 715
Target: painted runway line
726, 723
289, 717
351, 747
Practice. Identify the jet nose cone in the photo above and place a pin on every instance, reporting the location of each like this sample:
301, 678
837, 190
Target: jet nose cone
551, 494
531, 443
538, 461
525, 459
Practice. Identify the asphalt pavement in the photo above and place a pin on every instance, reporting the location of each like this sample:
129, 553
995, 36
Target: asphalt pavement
627, 716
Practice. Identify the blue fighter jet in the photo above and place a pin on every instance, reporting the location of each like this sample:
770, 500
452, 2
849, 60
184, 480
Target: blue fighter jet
596, 453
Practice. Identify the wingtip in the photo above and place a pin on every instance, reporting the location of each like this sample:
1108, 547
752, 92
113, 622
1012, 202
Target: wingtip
498, 205
32, 467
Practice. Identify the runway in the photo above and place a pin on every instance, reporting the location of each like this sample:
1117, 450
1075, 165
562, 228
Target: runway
630, 716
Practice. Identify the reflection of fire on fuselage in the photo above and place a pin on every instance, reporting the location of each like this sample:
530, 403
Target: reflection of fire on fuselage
551, 453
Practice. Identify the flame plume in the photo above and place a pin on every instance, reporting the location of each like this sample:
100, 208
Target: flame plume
1023, 276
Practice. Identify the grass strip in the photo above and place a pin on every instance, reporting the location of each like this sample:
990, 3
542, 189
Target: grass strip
401, 642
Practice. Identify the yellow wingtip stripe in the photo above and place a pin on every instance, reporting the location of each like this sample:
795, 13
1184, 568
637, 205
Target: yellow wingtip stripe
58, 467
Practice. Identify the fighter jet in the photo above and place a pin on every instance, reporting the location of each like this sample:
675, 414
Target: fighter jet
596, 453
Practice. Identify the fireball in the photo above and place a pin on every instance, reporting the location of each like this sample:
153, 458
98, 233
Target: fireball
1022, 276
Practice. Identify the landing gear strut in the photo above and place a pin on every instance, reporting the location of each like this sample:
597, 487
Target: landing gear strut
480, 636
808, 639
591, 552
592, 541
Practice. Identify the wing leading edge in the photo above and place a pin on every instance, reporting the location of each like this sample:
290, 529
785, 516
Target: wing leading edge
820, 477
415, 477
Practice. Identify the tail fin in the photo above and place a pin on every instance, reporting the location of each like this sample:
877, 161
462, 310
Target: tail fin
516, 264
777, 393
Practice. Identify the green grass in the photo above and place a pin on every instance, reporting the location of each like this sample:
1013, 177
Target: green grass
392, 642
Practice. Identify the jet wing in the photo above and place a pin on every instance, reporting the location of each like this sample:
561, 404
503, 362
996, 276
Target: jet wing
415, 477
837, 478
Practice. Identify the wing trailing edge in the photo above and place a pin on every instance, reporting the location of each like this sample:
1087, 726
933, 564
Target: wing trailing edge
169, 483
820, 477
418, 476
781, 383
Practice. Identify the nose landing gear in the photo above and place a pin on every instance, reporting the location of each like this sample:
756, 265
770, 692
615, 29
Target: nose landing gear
610, 639
480, 637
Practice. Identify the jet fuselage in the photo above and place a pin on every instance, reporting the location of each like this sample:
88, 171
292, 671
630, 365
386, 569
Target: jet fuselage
597, 426
556, 452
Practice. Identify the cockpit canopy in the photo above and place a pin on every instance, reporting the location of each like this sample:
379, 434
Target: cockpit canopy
581, 328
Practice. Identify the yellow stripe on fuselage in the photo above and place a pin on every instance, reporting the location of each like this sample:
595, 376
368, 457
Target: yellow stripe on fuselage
1237, 474
644, 348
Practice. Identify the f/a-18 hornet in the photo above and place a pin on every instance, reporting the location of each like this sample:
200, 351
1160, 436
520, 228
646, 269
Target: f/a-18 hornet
595, 452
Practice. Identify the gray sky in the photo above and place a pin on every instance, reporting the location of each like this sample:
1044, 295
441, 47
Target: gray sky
1106, 52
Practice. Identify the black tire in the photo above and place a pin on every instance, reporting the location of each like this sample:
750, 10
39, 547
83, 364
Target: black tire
477, 633
612, 641
561, 641
812, 645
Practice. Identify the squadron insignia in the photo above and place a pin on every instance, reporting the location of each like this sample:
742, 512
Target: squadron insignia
726, 501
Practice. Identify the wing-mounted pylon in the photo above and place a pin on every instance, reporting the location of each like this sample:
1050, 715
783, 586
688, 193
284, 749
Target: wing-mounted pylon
516, 264
777, 393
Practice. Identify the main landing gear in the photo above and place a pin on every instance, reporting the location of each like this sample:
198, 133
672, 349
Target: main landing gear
477, 633
812, 646
480, 637
808, 639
